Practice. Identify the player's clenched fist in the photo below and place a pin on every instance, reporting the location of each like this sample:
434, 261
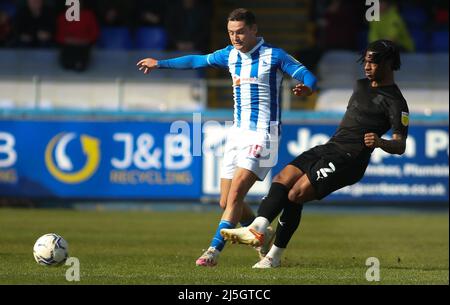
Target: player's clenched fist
147, 64
371, 140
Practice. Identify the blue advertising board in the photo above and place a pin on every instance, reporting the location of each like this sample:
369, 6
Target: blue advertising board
97, 159
420, 174
147, 160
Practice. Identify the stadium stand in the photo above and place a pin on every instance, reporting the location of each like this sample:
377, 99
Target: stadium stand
121, 38
414, 16
439, 41
30, 77
33, 78
151, 38
421, 40
115, 38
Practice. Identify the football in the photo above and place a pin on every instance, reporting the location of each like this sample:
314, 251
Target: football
51, 250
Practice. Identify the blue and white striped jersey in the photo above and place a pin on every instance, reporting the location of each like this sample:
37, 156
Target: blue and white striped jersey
257, 77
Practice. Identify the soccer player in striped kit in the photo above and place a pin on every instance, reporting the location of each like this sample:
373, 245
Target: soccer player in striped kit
252, 143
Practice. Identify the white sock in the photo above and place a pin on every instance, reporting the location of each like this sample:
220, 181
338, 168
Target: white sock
275, 253
260, 224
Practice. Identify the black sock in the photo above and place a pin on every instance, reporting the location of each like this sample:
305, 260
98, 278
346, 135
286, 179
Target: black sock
274, 202
288, 224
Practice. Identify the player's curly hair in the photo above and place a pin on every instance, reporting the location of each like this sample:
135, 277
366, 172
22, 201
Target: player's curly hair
383, 50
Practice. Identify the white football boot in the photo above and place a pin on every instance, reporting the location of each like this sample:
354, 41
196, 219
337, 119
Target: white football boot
244, 235
267, 263
268, 241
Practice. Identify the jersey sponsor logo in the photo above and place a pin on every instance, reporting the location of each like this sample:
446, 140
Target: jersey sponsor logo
405, 118
237, 80
323, 172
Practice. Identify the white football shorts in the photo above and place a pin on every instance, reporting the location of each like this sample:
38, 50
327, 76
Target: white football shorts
255, 151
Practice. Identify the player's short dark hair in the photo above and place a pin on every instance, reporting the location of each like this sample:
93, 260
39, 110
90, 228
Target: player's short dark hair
242, 14
383, 50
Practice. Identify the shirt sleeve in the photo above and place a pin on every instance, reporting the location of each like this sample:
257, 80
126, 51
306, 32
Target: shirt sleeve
399, 117
216, 59
184, 62
297, 70
219, 58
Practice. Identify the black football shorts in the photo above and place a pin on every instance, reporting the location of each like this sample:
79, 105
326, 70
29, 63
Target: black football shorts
329, 168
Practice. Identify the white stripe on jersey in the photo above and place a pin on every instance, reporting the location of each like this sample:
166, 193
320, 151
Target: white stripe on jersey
279, 81
232, 59
264, 65
298, 70
245, 90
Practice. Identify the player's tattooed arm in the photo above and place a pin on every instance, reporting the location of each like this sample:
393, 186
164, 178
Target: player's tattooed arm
395, 146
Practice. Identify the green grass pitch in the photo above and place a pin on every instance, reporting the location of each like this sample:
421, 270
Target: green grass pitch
161, 248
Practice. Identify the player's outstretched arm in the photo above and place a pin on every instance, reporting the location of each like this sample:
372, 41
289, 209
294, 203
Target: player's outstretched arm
181, 63
395, 146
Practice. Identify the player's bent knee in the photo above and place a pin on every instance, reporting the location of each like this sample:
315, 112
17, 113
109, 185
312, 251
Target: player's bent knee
288, 176
302, 195
278, 179
295, 196
282, 180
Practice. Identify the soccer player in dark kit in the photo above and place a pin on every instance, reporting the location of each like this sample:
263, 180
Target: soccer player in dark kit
376, 106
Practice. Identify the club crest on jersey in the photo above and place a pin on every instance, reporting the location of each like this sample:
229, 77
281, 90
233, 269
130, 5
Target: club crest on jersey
405, 118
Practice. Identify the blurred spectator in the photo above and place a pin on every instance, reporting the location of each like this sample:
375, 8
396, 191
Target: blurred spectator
76, 39
115, 12
188, 26
9, 7
339, 25
5, 29
391, 26
440, 15
150, 12
35, 25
